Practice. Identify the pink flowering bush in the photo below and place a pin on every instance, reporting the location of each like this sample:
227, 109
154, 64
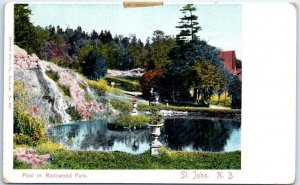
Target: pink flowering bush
83, 107
25, 61
29, 157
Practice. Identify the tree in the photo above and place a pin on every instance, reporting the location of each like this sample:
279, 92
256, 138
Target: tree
24, 33
157, 55
188, 24
93, 65
151, 79
207, 79
238, 63
235, 90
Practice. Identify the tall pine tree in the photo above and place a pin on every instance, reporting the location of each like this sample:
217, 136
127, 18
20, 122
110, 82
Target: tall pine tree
188, 24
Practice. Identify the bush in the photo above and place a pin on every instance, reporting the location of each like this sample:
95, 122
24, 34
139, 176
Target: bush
25, 124
53, 75
93, 65
73, 113
150, 79
49, 146
122, 106
65, 90
22, 139
100, 86
20, 165
129, 122
235, 90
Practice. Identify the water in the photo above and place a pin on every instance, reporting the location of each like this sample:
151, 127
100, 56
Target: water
179, 134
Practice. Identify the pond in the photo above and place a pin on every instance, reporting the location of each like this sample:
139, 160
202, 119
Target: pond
211, 135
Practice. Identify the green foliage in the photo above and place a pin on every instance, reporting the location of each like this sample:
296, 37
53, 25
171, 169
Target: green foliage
238, 63
235, 90
64, 159
207, 79
65, 90
129, 122
49, 146
122, 83
143, 107
73, 113
93, 65
20, 165
26, 124
220, 99
115, 91
157, 53
122, 106
53, 75
188, 24
22, 139
151, 79
100, 86
24, 34
88, 97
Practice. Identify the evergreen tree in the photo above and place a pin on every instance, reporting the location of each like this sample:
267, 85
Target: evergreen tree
93, 65
188, 24
235, 90
24, 33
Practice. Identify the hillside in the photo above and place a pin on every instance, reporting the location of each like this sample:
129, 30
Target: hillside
51, 92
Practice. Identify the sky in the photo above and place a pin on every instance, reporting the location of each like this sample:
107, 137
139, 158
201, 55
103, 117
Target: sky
221, 23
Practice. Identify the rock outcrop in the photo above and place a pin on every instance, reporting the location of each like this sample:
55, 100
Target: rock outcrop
47, 94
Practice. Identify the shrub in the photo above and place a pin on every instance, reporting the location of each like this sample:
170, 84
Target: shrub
22, 139
143, 107
129, 121
122, 106
93, 65
100, 86
25, 124
88, 97
53, 75
20, 165
235, 90
150, 79
115, 91
65, 90
73, 113
48, 146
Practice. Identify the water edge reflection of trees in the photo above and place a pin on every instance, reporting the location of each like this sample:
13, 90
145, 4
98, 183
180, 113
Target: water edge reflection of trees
203, 135
177, 134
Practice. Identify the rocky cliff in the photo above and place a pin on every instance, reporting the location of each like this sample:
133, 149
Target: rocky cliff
52, 90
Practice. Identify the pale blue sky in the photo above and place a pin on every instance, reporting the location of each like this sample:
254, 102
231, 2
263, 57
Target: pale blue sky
221, 23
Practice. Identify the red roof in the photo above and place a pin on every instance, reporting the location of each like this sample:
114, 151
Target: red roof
229, 59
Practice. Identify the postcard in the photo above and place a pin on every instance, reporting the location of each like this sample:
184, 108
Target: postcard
149, 92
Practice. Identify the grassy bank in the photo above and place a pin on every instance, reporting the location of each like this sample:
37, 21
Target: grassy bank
64, 159
125, 122
123, 83
206, 112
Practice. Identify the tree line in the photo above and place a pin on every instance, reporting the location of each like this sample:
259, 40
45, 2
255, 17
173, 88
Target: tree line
173, 66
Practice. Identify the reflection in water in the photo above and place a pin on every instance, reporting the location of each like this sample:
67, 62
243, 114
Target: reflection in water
177, 134
196, 134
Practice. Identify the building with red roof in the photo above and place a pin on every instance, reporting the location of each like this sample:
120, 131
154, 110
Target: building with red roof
229, 59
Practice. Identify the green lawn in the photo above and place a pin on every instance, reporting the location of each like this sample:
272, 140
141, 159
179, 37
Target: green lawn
64, 159
126, 84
